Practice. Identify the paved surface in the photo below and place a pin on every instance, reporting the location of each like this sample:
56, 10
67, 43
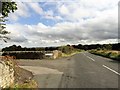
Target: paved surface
45, 76
47, 73
82, 70
91, 71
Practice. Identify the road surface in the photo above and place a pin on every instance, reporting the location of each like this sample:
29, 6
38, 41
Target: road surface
83, 70
91, 71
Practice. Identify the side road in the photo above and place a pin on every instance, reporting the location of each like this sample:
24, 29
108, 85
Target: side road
47, 73
45, 77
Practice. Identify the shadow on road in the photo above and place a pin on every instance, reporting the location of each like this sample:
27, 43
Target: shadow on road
114, 61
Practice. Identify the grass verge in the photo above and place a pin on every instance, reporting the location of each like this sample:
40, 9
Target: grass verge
107, 53
28, 84
70, 54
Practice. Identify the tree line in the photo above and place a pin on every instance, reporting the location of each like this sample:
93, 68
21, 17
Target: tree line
115, 46
19, 48
67, 48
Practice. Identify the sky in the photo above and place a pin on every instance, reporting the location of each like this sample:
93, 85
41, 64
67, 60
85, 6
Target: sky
43, 23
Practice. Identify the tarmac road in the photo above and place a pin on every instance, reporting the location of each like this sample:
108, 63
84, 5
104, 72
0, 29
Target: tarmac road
83, 70
91, 71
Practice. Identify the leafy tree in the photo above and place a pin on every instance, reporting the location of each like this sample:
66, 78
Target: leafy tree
107, 46
5, 9
66, 49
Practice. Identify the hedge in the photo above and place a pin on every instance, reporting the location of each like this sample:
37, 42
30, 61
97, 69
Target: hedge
111, 55
25, 55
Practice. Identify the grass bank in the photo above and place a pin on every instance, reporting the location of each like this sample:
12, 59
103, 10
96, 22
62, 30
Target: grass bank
107, 53
30, 84
71, 54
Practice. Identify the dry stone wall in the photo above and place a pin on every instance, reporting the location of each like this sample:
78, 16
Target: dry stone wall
57, 54
6, 75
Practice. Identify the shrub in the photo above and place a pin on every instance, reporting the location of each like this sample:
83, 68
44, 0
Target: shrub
66, 49
25, 55
106, 53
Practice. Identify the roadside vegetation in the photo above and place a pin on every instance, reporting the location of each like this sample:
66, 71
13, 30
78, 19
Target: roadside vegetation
68, 50
106, 50
22, 77
70, 54
28, 84
115, 46
112, 54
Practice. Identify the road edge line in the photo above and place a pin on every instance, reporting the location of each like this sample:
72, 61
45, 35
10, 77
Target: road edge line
111, 69
91, 58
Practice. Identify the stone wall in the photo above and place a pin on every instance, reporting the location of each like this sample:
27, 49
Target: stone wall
57, 54
6, 75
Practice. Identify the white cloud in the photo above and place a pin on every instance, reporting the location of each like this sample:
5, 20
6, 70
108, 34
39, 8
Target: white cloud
99, 5
64, 10
86, 9
50, 15
36, 7
22, 11
97, 30
86, 22
26, 9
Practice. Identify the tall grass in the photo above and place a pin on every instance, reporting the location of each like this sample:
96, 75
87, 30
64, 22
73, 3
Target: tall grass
107, 53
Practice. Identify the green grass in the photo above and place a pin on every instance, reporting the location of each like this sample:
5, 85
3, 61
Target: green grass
106, 53
70, 54
28, 84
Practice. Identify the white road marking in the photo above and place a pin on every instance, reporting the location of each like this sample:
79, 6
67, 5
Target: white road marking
91, 58
88, 57
84, 54
111, 70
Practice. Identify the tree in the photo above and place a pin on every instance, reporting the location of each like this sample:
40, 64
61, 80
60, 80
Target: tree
66, 49
5, 9
107, 46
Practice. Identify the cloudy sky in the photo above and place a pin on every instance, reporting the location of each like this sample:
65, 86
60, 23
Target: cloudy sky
58, 22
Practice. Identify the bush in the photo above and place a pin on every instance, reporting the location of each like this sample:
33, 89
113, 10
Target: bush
66, 49
106, 53
26, 55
